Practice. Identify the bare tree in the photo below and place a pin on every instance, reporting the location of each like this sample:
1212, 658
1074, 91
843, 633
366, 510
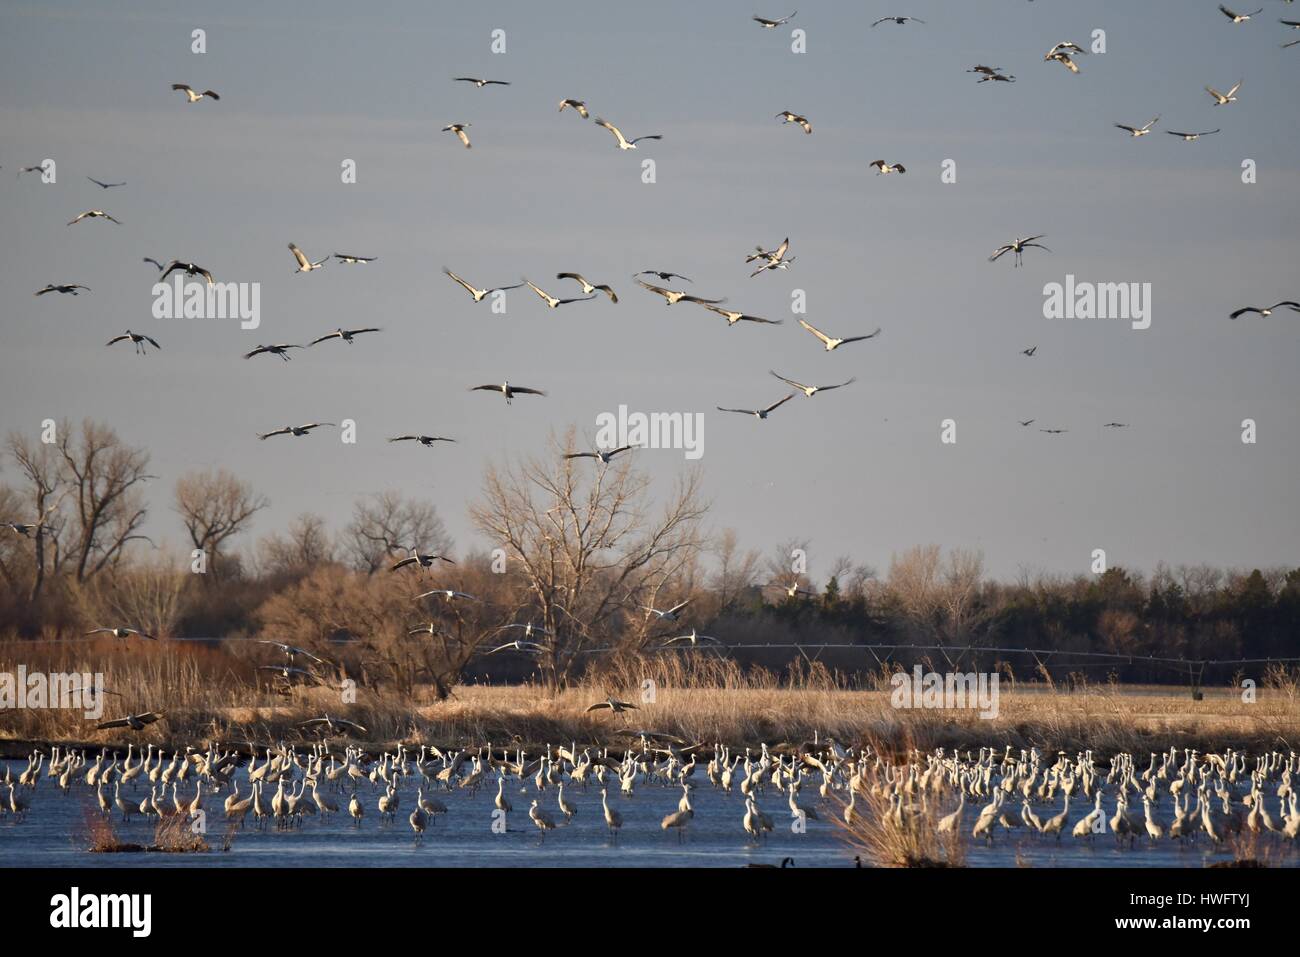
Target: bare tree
215, 506
40, 467
306, 546
737, 573
387, 523
104, 475
588, 549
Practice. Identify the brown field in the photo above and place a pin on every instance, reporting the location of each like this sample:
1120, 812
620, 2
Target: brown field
706, 700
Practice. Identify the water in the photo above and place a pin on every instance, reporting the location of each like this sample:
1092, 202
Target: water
54, 835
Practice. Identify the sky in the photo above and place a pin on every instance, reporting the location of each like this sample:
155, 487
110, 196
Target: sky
860, 471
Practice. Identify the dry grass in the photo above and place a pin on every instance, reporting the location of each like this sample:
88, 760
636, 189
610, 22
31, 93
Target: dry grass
213, 694
172, 834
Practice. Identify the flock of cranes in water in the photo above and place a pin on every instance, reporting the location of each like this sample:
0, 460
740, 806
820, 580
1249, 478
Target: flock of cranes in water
1178, 795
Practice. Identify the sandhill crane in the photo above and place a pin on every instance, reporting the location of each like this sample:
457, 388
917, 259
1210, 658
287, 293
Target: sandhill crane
480, 83
298, 430
426, 440
951, 823
191, 96
1056, 823
886, 168
418, 820
613, 819
760, 413
388, 804
354, 260
1223, 99
785, 116
1139, 130
664, 276
103, 185
478, 294
38, 168
677, 821
1018, 246
1238, 17
898, 20
588, 287
693, 639
65, 288
326, 723
424, 561
138, 339
507, 390
136, 722
1191, 137
356, 809
94, 214
527, 647
345, 334
672, 296
190, 269
993, 76
567, 807
1085, 826
459, 129
613, 704
551, 301
831, 343
447, 593
1293, 306
768, 24
540, 818
811, 390
578, 105
672, 614
735, 317
120, 632
290, 651
623, 142
603, 456
305, 264
280, 349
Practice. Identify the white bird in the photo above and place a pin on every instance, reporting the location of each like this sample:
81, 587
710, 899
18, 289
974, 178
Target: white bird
760, 413
694, 638
507, 390
623, 142
735, 317
141, 341
527, 647
672, 296
1191, 137
447, 593
305, 264
298, 430
811, 390
459, 129
193, 97
1223, 99
1139, 130
1061, 57
671, 614
1238, 17
551, 301
478, 294
785, 116
120, 633
481, 83
424, 561
887, 168
1293, 306
832, 343
577, 105
343, 258
588, 287
94, 214
1018, 246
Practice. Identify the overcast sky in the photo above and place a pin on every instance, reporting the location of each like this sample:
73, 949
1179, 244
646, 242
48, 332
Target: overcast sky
859, 471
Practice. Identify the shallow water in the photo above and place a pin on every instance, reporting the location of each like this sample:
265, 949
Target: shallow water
54, 835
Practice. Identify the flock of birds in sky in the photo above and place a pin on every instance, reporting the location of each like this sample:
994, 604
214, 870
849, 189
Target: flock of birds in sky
763, 260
